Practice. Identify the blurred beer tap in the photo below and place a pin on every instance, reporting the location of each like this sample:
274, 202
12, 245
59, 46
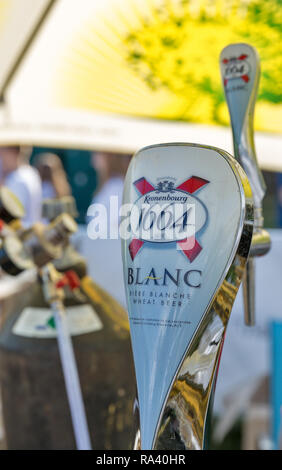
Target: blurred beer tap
36, 246
240, 70
48, 277
11, 212
26, 248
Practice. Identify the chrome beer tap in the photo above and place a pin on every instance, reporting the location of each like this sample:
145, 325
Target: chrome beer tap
186, 234
240, 70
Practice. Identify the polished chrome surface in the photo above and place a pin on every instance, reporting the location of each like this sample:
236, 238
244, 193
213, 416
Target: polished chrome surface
240, 69
181, 422
249, 292
260, 243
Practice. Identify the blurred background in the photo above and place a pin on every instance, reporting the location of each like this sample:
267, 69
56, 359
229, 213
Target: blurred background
84, 85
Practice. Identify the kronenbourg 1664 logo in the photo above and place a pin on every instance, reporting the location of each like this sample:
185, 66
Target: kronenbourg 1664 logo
236, 67
166, 213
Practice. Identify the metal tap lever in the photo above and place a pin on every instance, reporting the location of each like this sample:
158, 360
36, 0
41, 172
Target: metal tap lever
240, 70
53, 283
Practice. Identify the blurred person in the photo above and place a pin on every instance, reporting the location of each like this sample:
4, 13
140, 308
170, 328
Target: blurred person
23, 180
104, 255
53, 176
111, 169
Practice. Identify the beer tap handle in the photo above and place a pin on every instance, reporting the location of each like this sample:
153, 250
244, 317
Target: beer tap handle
240, 70
181, 279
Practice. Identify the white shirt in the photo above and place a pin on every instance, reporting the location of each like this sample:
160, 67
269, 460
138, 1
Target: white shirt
113, 187
110, 197
48, 191
25, 183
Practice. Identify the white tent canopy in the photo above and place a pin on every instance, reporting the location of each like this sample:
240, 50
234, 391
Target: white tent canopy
18, 22
86, 131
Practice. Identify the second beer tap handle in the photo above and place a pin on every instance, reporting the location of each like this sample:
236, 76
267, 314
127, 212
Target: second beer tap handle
240, 70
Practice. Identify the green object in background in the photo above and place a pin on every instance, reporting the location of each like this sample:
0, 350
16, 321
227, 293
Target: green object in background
82, 178
232, 440
80, 173
51, 323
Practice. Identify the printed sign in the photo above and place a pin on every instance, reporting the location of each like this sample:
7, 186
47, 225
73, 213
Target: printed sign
39, 322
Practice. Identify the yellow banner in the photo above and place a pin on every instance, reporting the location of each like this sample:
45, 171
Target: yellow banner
159, 59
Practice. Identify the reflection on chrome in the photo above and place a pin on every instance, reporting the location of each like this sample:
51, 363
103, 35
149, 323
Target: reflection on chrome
185, 413
183, 421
